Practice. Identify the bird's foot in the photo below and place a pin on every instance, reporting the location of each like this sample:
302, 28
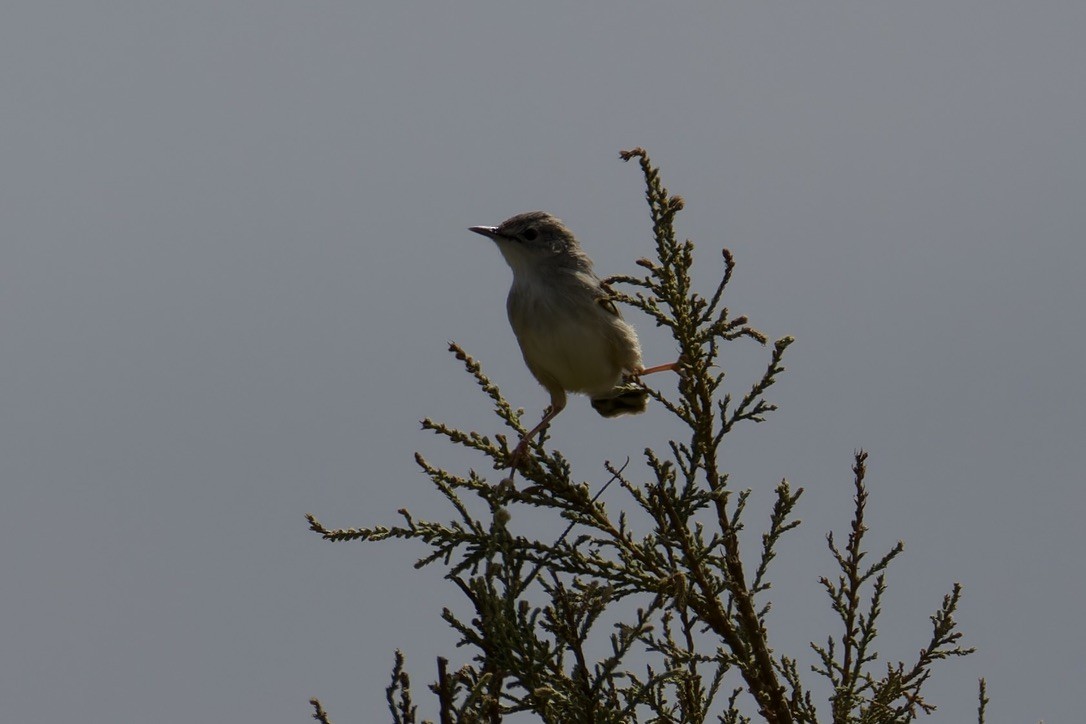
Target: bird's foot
518, 456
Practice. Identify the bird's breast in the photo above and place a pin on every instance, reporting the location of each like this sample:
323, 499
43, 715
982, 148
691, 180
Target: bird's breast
566, 336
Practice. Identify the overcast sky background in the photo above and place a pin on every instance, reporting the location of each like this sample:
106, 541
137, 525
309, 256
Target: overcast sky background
234, 249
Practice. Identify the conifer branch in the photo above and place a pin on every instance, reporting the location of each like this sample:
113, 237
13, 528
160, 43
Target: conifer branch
553, 627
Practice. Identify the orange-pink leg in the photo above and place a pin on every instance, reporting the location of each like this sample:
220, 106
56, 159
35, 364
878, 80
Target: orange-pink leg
637, 374
558, 403
658, 368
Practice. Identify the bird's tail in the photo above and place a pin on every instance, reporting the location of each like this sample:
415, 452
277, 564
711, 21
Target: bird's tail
623, 400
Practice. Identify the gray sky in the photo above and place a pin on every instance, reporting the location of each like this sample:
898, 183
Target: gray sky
234, 248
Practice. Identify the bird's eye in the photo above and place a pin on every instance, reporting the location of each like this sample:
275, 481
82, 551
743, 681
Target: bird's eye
530, 234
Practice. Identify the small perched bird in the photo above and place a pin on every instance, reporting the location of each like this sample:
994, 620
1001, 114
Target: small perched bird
571, 334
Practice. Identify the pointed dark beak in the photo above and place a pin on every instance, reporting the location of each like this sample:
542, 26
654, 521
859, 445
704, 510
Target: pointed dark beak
490, 232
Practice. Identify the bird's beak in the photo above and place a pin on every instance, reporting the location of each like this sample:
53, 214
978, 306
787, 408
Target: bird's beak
488, 231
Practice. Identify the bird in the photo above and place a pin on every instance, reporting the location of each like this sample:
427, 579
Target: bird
571, 334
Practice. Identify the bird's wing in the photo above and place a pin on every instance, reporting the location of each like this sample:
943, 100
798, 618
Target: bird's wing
604, 299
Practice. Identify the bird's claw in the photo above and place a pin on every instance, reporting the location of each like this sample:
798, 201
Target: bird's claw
516, 458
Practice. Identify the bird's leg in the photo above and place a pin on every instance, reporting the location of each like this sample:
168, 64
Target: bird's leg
558, 403
658, 368
522, 447
637, 374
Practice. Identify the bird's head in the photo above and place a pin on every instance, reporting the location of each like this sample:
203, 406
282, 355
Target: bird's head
535, 240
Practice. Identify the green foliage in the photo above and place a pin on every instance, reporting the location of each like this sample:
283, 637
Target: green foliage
556, 627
